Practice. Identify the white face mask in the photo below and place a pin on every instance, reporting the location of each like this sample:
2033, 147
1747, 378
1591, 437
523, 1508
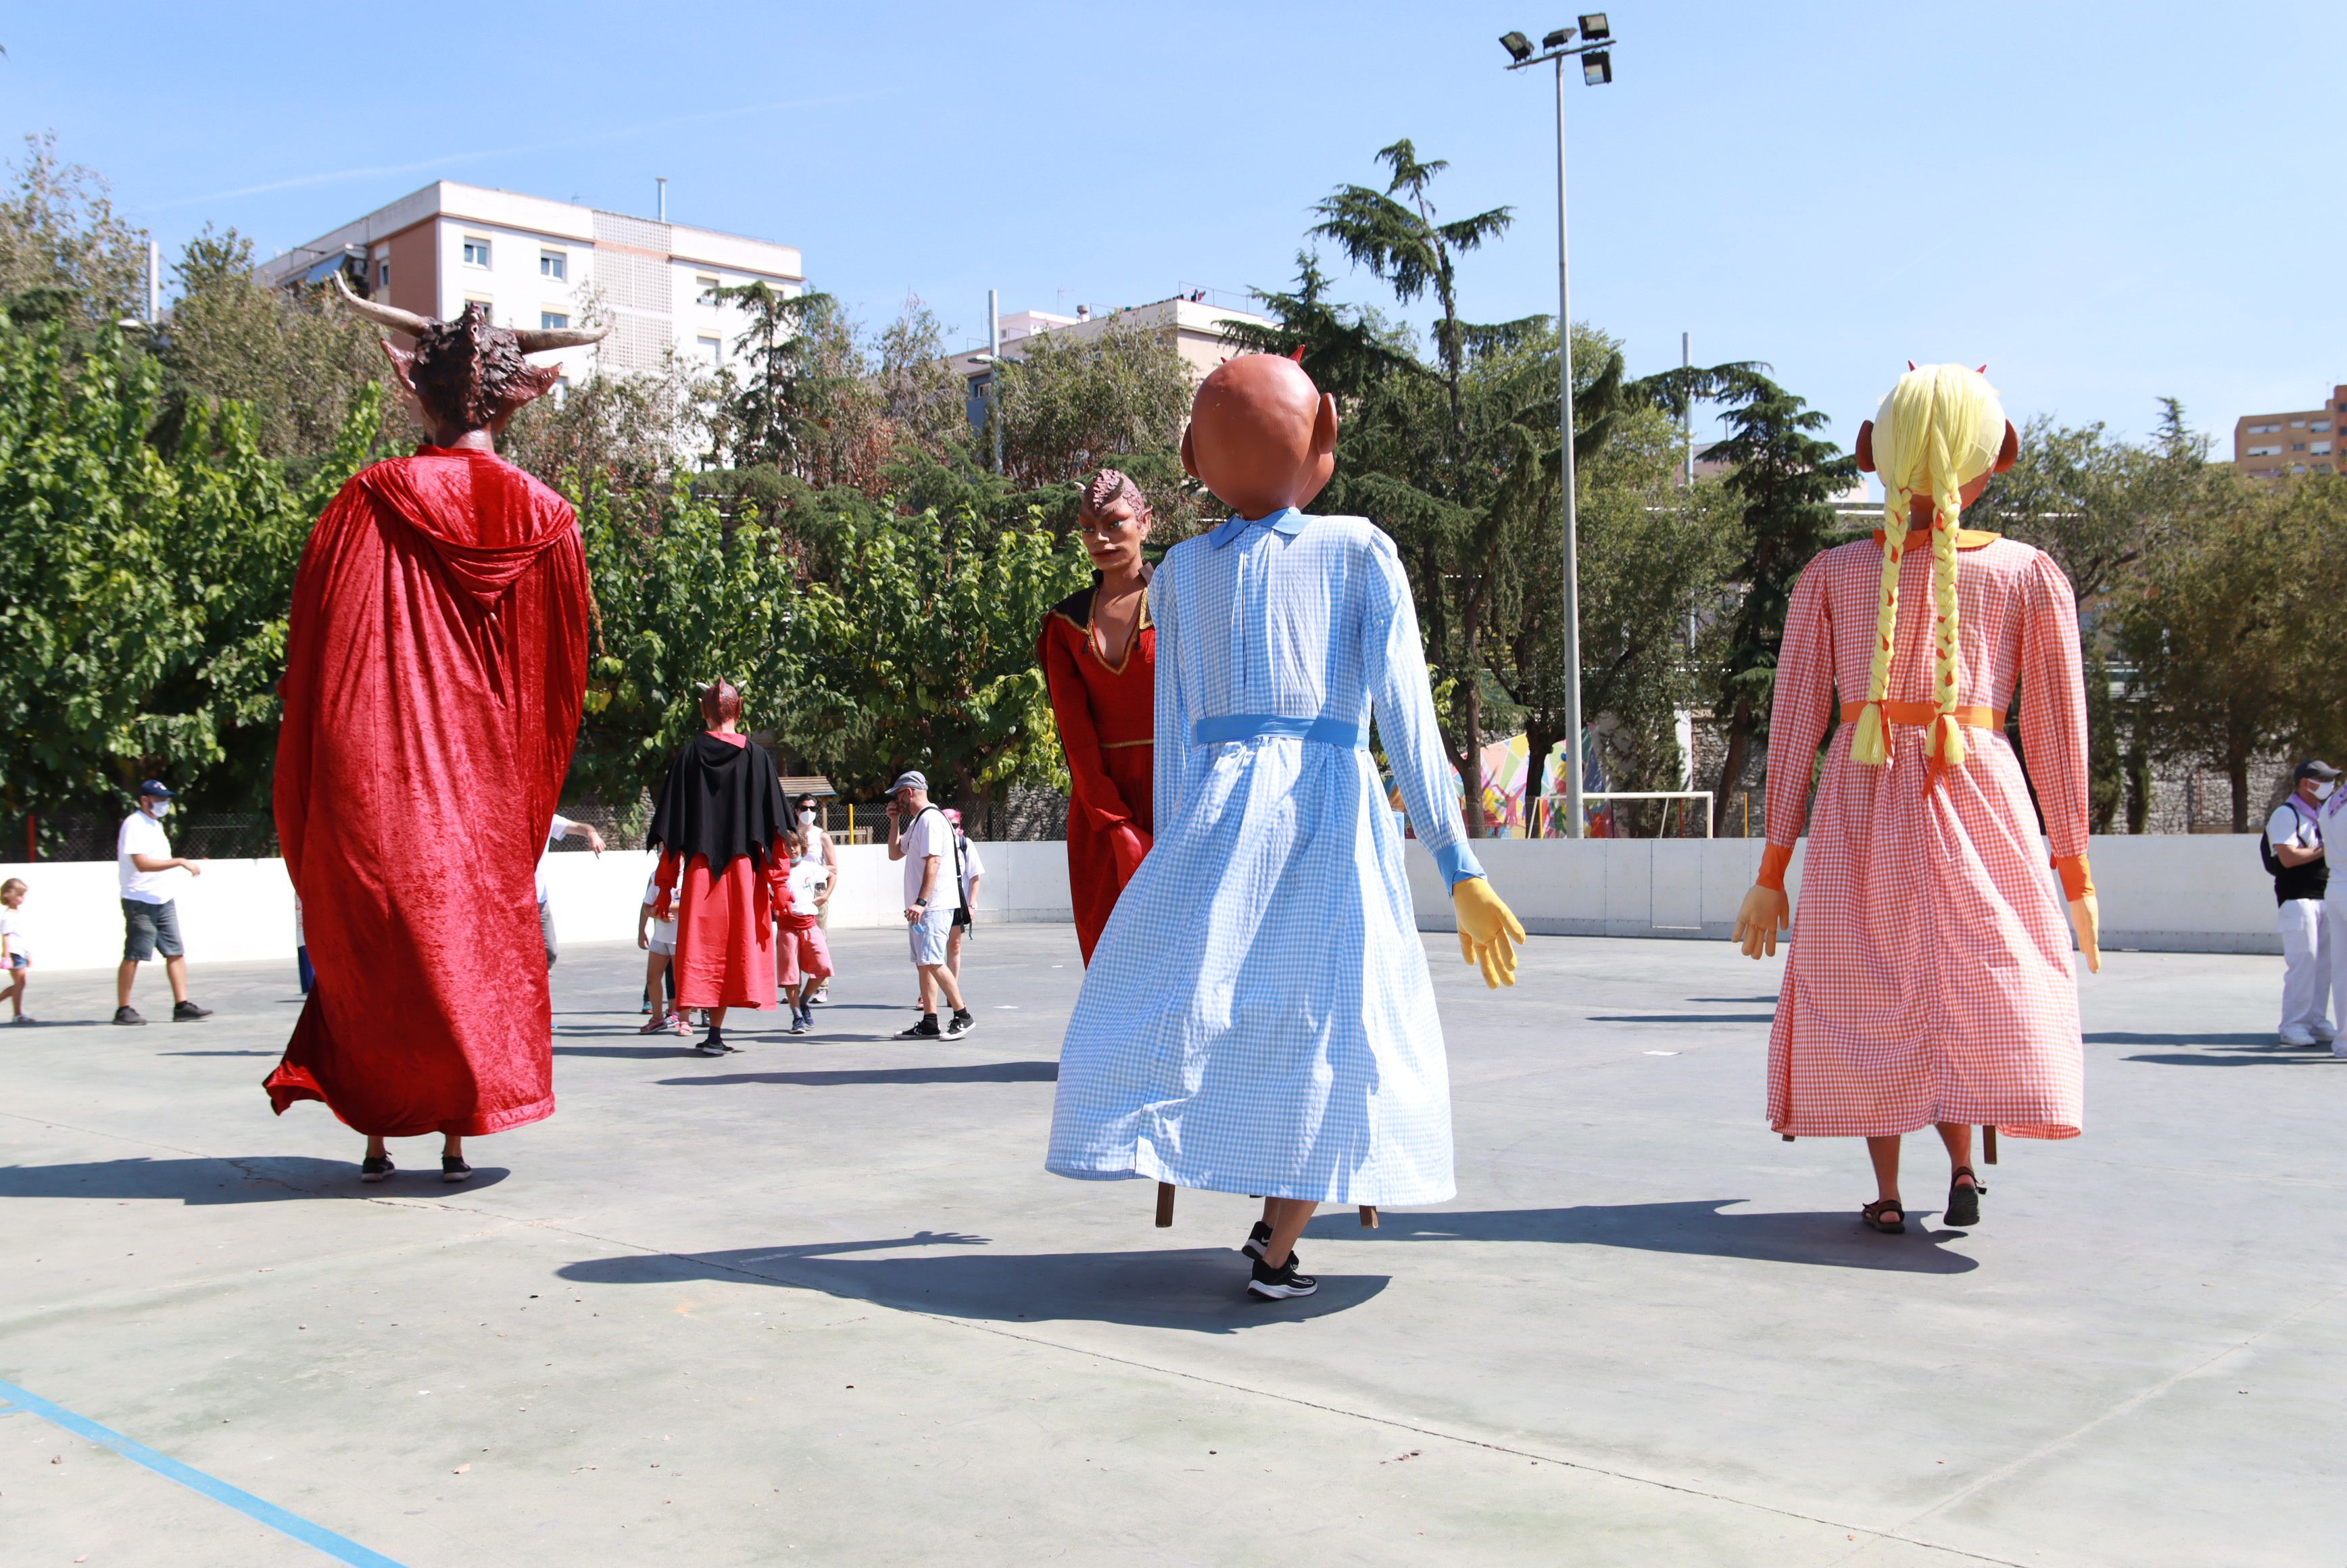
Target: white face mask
807, 819
2322, 789
158, 809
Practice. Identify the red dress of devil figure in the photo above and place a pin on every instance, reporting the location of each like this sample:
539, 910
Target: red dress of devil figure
436, 660
1100, 657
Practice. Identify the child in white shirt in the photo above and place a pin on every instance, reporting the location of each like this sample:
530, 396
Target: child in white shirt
660, 947
802, 957
15, 962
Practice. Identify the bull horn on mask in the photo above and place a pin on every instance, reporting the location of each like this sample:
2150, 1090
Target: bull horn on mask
533, 340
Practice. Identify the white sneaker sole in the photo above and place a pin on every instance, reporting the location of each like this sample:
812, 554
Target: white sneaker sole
1263, 1291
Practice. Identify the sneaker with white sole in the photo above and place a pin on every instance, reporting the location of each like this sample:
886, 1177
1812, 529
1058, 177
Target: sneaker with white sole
1257, 1239
962, 1024
712, 1044
926, 1030
1280, 1284
375, 1167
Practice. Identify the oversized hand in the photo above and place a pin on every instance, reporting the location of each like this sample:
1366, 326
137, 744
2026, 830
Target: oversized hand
2086, 920
1766, 912
1488, 931
663, 910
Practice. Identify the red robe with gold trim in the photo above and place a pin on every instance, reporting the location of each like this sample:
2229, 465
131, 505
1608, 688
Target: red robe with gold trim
1107, 718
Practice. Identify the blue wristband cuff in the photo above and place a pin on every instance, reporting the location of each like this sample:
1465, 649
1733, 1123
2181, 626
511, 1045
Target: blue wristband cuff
1457, 863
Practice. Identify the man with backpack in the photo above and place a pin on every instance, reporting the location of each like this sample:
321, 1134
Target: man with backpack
2292, 847
920, 837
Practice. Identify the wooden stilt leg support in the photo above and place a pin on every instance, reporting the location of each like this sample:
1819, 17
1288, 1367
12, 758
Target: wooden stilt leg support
1988, 1145
1164, 1206
1786, 1136
1369, 1216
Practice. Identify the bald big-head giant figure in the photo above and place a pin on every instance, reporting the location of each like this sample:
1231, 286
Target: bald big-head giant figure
1261, 436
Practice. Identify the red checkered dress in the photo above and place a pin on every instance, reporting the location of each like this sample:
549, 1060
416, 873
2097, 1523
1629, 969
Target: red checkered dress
1930, 978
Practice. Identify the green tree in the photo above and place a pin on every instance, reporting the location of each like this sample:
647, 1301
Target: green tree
806, 405
918, 651
1117, 398
59, 235
1781, 481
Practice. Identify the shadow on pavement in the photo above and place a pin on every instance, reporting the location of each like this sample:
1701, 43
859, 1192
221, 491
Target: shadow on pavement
969, 1072
1699, 1228
1770, 998
2121, 1036
678, 1046
1682, 1017
252, 1179
2269, 1056
1202, 1289
220, 1053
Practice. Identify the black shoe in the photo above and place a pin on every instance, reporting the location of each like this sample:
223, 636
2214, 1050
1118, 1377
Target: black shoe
1964, 1198
926, 1030
712, 1044
1257, 1239
127, 1015
187, 1012
453, 1168
375, 1167
961, 1025
1279, 1284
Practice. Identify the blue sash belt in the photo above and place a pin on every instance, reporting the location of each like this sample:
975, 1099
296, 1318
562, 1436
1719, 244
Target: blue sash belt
1248, 726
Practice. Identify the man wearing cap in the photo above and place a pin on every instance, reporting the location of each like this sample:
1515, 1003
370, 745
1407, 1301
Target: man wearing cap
2292, 848
920, 837
150, 918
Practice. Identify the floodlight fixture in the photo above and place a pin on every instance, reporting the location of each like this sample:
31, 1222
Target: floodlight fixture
1594, 27
1519, 47
1597, 69
1558, 39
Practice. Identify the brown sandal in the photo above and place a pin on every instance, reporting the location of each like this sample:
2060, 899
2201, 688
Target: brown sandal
1888, 1215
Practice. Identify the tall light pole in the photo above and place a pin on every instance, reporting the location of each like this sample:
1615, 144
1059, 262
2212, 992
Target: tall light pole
1596, 57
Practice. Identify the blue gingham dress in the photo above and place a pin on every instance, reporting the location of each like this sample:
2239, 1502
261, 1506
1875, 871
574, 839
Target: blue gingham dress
1257, 1017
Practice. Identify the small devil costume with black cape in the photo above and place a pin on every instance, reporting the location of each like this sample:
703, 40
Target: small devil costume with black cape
719, 829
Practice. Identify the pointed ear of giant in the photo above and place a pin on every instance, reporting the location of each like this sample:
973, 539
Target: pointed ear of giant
403, 363
2010, 453
1189, 457
1866, 446
1323, 428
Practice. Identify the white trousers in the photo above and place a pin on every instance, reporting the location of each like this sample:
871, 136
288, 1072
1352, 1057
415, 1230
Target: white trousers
2306, 980
2334, 932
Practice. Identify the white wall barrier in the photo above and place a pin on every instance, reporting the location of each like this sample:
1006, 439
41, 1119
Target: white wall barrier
2202, 893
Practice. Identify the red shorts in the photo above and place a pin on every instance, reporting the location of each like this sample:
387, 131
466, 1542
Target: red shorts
800, 952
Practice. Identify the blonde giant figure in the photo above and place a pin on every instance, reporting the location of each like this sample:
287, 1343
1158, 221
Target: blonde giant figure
1929, 979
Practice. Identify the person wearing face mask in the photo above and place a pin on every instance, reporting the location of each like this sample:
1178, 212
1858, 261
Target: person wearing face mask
150, 916
2292, 850
816, 846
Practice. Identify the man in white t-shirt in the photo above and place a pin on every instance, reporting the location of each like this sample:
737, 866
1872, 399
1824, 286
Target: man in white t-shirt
2294, 853
920, 837
559, 828
150, 917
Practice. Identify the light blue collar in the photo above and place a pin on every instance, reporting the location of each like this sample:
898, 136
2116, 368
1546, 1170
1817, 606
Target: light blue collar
1288, 520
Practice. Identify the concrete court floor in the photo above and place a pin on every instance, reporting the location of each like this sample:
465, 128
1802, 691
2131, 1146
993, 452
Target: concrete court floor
819, 1303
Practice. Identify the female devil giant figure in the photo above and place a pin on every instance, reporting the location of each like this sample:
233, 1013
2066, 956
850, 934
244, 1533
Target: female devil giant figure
1930, 978
435, 662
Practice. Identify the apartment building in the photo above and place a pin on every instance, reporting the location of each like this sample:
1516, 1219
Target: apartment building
542, 263
2270, 446
1192, 326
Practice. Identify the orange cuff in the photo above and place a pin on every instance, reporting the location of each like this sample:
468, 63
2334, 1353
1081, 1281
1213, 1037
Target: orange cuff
1773, 861
2077, 881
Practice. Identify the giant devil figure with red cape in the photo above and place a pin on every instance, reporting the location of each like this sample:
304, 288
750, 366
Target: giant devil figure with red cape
435, 662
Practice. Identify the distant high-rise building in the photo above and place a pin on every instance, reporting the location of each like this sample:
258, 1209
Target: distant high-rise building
2270, 446
540, 264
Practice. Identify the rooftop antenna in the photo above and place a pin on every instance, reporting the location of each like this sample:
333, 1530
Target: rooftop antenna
662, 180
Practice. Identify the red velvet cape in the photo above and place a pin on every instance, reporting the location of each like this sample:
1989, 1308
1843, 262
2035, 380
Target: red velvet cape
1107, 715
435, 664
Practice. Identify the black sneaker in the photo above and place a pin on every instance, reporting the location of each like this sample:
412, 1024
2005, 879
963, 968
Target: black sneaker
453, 1168
375, 1167
1279, 1284
127, 1015
961, 1025
1257, 1239
926, 1030
712, 1044
187, 1012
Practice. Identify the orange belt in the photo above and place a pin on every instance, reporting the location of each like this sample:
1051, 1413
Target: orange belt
1921, 715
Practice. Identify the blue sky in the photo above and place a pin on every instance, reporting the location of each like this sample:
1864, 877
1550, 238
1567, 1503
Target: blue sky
2104, 202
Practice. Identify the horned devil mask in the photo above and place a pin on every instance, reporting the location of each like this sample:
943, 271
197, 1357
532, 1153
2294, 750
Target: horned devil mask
468, 373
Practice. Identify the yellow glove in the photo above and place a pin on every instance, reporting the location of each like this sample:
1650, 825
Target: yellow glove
1488, 931
1766, 912
2086, 919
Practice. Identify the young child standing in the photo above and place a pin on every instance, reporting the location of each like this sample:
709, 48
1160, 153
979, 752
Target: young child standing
802, 957
659, 942
15, 963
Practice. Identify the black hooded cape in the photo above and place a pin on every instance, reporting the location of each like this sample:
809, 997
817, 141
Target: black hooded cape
719, 800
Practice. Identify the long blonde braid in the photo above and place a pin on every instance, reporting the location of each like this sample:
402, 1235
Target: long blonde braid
1941, 426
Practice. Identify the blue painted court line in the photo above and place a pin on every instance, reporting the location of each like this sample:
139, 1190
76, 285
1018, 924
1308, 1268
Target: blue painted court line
339, 1548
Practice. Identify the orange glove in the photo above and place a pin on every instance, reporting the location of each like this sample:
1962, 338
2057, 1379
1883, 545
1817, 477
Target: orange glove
1766, 912
1488, 931
2086, 920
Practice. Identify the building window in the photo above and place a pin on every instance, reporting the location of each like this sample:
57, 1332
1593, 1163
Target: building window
487, 309
2260, 429
477, 252
2265, 451
712, 350
2321, 449
552, 319
2298, 425
2298, 445
554, 264
2320, 426
708, 291
382, 274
